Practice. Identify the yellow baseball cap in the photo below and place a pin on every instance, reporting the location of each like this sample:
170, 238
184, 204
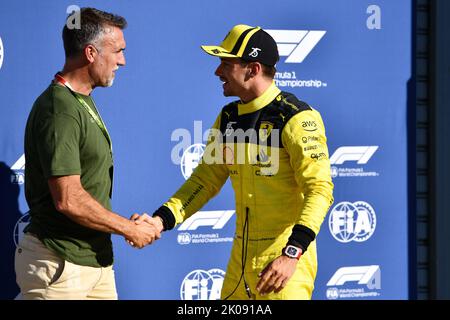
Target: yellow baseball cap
248, 43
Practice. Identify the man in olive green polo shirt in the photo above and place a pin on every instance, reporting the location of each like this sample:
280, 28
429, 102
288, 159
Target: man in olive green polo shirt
66, 252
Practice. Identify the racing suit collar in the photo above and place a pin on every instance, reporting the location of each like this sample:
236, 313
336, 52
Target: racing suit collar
260, 102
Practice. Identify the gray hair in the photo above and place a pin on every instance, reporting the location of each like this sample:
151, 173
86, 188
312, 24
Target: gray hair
93, 24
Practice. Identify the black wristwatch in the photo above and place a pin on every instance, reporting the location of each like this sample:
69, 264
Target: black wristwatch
292, 251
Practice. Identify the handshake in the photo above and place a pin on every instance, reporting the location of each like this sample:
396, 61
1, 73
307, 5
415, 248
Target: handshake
144, 230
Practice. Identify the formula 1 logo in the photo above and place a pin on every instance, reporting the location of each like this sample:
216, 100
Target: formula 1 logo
352, 221
190, 159
2, 53
356, 153
296, 45
360, 154
364, 275
202, 285
19, 164
215, 219
18, 177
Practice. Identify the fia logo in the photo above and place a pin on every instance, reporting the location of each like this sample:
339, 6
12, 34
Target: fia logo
18, 228
296, 45
352, 221
202, 285
184, 238
191, 158
332, 293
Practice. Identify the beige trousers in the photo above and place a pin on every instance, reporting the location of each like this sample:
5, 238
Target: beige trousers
42, 275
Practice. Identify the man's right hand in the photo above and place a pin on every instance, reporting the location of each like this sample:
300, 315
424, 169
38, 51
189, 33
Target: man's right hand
142, 234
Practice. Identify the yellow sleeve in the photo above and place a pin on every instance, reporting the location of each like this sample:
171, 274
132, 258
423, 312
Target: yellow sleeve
304, 140
204, 183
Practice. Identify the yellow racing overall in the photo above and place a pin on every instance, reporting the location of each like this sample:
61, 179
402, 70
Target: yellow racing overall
274, 151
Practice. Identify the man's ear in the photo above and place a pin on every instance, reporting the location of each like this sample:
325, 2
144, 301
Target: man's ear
255, 69
90, 52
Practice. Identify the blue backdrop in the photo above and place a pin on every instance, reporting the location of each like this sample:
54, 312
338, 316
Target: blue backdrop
349, 59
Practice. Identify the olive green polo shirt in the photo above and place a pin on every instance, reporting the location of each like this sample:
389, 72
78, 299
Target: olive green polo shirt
62, 138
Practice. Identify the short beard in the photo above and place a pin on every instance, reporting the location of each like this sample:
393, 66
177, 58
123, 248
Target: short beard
110, 83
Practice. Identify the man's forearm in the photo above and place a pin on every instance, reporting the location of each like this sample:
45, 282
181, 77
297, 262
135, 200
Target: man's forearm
77, 204
85, 210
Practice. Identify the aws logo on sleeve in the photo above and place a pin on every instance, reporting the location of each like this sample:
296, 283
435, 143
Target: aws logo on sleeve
309, 125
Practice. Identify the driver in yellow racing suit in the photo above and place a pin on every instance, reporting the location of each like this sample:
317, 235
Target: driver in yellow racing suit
273, 147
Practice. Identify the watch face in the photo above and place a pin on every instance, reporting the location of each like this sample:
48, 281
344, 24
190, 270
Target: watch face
292, 251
